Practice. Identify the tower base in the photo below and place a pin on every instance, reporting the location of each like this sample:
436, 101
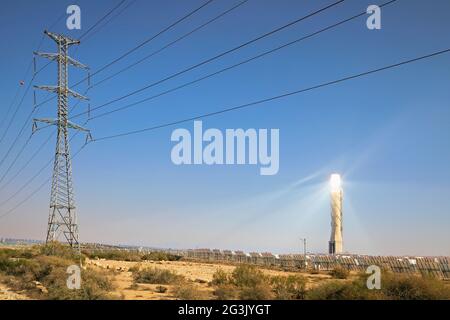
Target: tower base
331, 247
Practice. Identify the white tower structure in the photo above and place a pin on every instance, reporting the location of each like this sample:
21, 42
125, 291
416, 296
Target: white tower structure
335, 244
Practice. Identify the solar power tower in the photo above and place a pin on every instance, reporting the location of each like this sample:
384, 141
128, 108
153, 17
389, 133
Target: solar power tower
62, 221
335, 245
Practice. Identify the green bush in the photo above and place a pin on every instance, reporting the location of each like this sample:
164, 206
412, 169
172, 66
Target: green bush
156, 276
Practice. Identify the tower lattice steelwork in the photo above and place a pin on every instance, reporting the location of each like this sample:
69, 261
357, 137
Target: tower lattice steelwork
62, 219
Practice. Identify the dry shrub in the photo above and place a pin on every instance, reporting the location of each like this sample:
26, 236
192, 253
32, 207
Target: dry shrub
394, 286
339, 272
156, 276
410, 287
160, 256
261, 291
226, 292
289, 288
247, 276
95, 285
49, 269
129, 255
246, 282
187, 291
60, 250
220, 277
135, 268
336, 290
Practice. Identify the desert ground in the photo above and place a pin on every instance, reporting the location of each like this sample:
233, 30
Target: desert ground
40, 272
200, 273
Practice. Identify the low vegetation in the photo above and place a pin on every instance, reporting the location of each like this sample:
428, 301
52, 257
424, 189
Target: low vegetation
156, 276
41, 272
289, 288
393, 287
339, 273
188, 291
130, 255
250, 283
182, 288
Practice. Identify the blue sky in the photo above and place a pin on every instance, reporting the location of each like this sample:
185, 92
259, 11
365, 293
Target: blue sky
387, 133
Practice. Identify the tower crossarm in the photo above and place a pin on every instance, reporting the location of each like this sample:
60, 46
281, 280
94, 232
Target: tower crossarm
56, 122
77, 95
75, 63
57, 89
47, 55
54, 57
58, 38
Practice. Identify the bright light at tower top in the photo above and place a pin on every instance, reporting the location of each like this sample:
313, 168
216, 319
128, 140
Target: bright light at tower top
335, 182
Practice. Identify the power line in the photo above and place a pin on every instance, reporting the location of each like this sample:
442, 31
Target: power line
24, 146
18, 136
39, 149
16, 95
434, 54
28, 87
246, 105
35, 191
146, 41
130, 3
227, 68
171, 43
101, 19
267, 34
38, 172
220, 55
15, 159
137, 47
26, 183
35, 107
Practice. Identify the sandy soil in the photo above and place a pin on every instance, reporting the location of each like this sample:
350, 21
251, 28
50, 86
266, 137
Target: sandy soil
8, 294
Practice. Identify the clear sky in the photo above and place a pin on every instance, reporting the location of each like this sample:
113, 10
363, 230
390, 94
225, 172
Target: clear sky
387, 133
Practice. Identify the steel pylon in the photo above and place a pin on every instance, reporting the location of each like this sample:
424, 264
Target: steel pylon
62, 219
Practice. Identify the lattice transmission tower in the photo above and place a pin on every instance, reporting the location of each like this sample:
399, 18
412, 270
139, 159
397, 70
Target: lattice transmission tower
62, 219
